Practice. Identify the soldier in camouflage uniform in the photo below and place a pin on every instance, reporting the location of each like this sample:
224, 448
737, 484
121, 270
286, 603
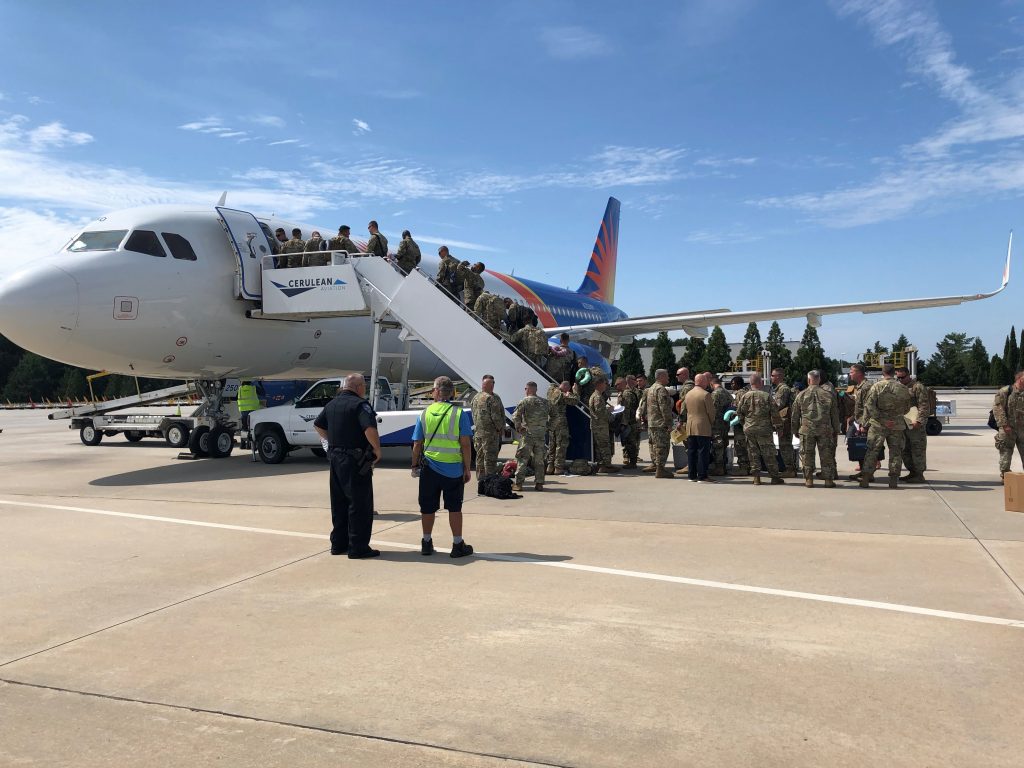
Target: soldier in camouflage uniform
561, 363
473, 285
860, 395
599, 428
915, 452
314, 256
814, 417
757, 411
829, 387
533, 343
783, 395
1008, 410
739, 444
408, 255
560, 397
461, 271
683, 385
446, 271
341, 241
490, 309
488, 425
884, 408
377, 244
294, 248
530, 420
659, 423
722, 401
629, 399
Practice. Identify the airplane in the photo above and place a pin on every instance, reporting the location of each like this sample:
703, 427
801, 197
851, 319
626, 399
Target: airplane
167, 292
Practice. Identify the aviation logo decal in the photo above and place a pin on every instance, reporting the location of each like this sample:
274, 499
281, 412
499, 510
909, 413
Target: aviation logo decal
307, 418
303, 285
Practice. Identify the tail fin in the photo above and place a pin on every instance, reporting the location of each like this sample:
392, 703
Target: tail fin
599, 282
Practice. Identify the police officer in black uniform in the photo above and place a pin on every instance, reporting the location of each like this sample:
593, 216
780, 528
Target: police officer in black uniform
349, 424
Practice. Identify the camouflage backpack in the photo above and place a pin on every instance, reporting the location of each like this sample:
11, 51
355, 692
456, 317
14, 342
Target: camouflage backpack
892, 401
579, 467
538, 342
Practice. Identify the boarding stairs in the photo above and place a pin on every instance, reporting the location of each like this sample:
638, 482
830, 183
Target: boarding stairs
426, 312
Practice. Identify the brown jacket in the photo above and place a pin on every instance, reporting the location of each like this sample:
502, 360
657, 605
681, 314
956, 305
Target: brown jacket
700, 412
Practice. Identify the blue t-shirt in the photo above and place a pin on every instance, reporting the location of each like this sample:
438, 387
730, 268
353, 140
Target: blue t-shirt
446, 468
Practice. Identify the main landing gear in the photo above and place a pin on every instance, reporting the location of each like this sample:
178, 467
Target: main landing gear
214, 434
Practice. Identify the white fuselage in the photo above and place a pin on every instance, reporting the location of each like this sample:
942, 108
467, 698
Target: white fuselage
134, 313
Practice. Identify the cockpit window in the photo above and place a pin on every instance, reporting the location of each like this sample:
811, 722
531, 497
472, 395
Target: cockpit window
145, 241
98, 241
180, 247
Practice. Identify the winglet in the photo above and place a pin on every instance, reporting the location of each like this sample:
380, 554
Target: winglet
223, 198
1006, 269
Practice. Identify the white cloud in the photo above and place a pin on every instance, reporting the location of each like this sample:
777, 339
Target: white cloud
974, 154
454, 244
727, 237
37, 100
56, 135
230, 134
569, 42
33, 233
283, 141
271, 121
206, 125
360, 127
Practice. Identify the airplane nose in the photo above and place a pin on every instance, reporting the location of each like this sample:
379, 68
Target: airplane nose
39, 309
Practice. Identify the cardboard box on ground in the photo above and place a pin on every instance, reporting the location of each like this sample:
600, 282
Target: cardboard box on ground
1013, 491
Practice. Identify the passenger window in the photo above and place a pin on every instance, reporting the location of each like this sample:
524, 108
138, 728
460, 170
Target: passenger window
98, 241
180, 247
145, 241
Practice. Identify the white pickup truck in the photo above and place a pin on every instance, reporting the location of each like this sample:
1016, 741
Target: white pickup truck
278, 431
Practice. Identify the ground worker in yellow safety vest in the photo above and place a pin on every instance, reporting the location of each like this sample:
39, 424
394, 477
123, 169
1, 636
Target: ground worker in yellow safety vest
248, 401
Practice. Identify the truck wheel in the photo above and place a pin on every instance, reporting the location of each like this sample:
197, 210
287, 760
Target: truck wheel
272, 447
320, 453
199, 441
177, 435
222, 442
89, 435
933, 426
132, 436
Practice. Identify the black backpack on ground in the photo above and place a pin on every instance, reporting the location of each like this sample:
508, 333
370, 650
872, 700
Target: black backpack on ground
496, 486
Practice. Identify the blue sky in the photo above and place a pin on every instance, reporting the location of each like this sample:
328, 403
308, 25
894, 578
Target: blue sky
766, 153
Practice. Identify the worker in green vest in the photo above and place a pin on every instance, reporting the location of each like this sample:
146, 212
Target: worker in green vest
248, 401
441, 455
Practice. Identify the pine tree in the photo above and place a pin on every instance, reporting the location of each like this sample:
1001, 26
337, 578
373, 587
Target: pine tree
751, 343
630, 361
900, 344
949, 365
73, 385
1019, 362
695, 349
810, 356
978, 364
30, 379
1011, 353
776, 344
716, 357
663, 356
997, 373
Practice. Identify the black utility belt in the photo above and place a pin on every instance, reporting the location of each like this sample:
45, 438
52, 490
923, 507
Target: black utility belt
350, 451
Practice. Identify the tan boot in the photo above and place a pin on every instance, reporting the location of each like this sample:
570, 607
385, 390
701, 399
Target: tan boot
549, 469
757, 479
808, 480
663, 473
516, 487
651, 468
538, 487
915, 478
830, 483
865, 479
778, 481
608, 469
788, 473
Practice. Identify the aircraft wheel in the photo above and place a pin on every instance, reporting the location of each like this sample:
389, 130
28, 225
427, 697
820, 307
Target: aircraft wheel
222, 442
199, 441
132, 436
177, 435
89, 435
272, 447
320, 453
933, 427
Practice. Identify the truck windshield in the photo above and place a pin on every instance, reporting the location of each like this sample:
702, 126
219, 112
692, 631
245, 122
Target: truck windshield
107, 240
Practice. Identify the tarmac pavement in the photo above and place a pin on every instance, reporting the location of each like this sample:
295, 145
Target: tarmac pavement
161, 613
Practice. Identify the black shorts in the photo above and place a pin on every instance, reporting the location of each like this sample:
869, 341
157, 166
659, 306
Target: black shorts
434, 485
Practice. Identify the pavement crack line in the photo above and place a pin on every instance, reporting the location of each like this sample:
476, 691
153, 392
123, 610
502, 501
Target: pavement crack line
160, 609
286, 724
541, 561
979, 541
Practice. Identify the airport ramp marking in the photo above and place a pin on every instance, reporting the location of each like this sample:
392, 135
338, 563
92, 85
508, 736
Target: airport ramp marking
724, 585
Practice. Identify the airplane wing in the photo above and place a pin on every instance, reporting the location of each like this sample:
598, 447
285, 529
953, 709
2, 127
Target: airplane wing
697, 323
